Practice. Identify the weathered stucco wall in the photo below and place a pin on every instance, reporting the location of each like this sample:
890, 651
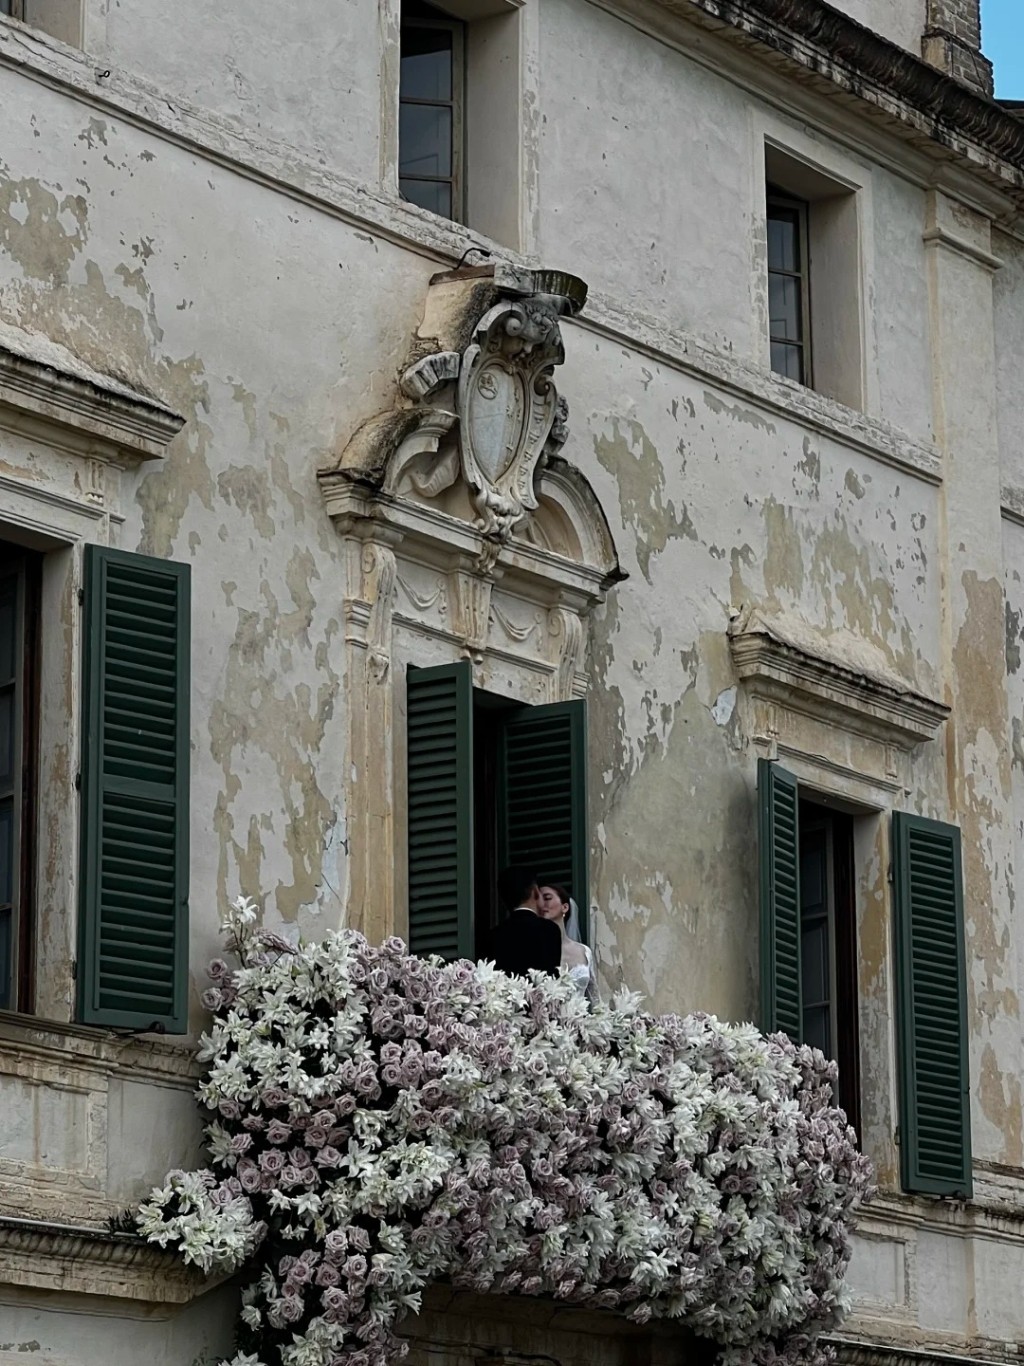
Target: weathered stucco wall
311, 85
68, 1329
273, 317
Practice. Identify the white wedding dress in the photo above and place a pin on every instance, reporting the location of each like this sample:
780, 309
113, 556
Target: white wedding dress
582, 974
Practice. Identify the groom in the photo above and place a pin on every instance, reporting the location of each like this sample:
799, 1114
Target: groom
523, 940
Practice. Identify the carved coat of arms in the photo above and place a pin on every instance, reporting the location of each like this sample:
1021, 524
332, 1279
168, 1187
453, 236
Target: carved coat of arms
507, 411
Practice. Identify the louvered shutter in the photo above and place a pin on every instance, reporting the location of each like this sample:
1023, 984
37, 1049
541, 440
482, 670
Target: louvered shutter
779, 856
439, 719
133, 909
935, 1133
542, 795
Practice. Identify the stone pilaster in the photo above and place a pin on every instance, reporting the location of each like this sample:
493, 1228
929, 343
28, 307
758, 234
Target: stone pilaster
960, 269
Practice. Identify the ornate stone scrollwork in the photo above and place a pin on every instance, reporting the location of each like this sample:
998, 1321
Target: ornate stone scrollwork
499, 398
507, 406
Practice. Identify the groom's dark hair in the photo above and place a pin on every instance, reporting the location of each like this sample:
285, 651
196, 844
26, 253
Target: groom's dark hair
515, 885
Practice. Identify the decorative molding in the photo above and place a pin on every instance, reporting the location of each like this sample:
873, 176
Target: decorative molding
567, 631
939, 236
471, 610
42, 386
465, 535
26, 1039
77, 1259
781, 662
860, 1352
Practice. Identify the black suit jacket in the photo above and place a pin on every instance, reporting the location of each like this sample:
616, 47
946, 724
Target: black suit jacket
524, 941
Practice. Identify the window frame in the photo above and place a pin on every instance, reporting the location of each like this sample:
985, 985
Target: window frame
786, 807
778, 200
843, 1003
15, 9
457, 772
27, 566
457, 104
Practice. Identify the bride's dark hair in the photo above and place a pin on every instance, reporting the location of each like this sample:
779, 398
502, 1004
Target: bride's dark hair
559, 888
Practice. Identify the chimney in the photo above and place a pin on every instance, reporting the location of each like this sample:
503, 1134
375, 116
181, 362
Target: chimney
952, 43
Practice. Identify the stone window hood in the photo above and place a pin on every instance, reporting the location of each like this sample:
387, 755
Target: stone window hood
839, 679
465, 534
46, 391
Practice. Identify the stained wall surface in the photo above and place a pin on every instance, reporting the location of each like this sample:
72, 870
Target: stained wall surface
215, 224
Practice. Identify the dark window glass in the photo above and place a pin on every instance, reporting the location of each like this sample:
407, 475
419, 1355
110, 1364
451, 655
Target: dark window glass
10, 652
815, 950
425, 141
434, 195
429, 136
18, 645
788, 361
426, 64
5, 6
787, 289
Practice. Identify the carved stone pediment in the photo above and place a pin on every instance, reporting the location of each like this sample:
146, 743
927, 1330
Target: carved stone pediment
467, 454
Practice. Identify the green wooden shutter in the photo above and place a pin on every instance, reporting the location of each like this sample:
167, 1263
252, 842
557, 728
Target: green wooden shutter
439, 719
542, 795
779, 855
935, 1130
133, 909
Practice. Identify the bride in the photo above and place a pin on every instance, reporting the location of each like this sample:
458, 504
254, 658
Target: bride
556, 904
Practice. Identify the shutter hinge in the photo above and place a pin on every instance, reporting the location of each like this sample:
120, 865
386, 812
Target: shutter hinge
74, 969
81, 597
896, 1136
890, 876
78, 781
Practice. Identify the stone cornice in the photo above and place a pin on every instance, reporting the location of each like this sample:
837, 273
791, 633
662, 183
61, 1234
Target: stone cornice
778, 661
43, 386
858, 1352
836, 51
34, 1041
93, 1261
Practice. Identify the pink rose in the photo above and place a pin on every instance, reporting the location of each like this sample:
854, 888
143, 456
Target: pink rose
250, 1178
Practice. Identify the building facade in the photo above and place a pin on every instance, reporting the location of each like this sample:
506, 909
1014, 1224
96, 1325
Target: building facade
582, 429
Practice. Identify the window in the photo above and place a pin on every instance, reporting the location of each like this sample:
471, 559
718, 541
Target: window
430, 136
809, 958
490, 782
19, 692
814, 277
788, 309
808, 926
59, 18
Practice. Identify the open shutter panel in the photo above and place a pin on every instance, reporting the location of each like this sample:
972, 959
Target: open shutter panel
935, 1135
133, 912
779, 854
542, 795
439, 718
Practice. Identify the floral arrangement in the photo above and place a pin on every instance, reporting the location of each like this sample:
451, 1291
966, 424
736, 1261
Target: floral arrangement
380, 1121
